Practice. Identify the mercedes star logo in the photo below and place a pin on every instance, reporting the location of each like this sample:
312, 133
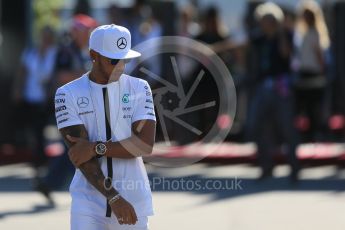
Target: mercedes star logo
122, 43
83, 102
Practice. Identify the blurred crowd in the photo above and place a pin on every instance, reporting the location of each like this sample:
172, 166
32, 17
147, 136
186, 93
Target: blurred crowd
281, 69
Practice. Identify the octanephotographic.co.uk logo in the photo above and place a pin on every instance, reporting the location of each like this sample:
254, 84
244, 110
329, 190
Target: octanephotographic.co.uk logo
193, 94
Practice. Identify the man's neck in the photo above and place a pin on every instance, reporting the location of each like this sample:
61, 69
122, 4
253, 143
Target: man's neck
102, 79
98, 78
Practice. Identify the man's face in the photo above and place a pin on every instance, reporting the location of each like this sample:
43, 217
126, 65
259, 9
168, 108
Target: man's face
268, 25
112, 68
309, 17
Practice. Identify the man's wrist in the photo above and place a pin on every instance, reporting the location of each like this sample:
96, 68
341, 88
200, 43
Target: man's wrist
100, 149
93, 149
114, 199
111, 193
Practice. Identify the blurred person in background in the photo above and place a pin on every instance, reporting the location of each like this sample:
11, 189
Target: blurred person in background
115, 15
30, 91
231, 49
72, 59
289, 20
212, 32
212, 29
271, 107
142, 22
144, 26
73, 53
187, 27
311, 42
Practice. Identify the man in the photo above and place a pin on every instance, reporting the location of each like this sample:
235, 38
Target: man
72, 60
107, 119
73, 55
272, 106
30, 93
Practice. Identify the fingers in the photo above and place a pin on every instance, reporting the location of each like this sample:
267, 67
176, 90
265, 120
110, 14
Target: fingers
120, 220
134, 216
126, 219
73, 159
124, 212
121, 217
129, 218
72, 139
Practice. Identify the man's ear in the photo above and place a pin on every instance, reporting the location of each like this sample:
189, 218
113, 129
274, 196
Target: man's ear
93, 55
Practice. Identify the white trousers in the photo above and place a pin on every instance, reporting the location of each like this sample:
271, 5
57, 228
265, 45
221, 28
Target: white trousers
87, 222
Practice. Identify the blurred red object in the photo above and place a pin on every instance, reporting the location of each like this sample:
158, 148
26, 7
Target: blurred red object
302, 123
336, 122
7, 149
224, 121
54, 149
10, 154
84, 21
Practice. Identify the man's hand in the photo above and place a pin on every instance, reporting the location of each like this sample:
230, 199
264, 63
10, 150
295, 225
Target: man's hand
81, 151
124, 212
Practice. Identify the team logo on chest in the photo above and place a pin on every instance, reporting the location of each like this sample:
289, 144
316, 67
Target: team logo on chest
125, 98
82, 102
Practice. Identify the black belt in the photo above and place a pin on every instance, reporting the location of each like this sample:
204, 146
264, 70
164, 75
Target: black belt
108, 134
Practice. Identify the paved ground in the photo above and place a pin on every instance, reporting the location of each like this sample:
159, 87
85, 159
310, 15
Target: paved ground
199, 197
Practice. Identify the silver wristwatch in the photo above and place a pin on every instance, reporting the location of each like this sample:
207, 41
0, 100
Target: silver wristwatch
100, 149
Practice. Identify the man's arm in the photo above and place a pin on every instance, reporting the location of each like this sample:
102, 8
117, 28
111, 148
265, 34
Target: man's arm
139, 144
91, 169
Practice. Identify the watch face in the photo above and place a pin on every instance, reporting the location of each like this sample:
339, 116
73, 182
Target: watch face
101, 149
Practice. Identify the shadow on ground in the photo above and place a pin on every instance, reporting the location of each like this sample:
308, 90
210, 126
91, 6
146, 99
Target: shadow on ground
217, 188
33, 210
229, 188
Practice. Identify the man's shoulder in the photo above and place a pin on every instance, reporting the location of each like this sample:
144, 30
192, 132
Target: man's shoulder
76, 84
134, 79
136, 83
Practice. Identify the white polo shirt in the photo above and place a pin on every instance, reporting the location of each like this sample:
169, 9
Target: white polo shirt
81, 102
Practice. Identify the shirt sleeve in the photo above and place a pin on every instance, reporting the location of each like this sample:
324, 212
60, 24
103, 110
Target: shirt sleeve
144, 106
65, 112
